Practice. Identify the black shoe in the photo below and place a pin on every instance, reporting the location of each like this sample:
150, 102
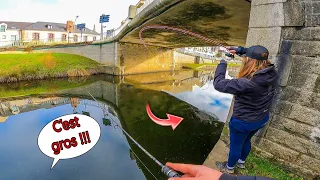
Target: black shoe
223, 167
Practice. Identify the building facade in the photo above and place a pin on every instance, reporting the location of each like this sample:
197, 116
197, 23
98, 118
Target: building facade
11, 32
15, 33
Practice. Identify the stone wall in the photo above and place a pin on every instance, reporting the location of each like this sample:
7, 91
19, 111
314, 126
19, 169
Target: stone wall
290, 30
124, 58
104, 53
135, 59
181, 58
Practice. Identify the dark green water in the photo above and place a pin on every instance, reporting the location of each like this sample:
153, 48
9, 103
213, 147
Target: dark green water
22, 118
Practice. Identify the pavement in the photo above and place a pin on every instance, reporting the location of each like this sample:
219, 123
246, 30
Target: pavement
218, 153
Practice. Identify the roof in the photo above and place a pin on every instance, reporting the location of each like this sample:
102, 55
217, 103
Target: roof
16, 25
58, 27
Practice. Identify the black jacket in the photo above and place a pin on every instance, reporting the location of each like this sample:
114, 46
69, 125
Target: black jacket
229, 177
253, 97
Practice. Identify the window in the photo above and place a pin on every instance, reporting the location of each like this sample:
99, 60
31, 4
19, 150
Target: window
13, 37
64, 37
3, 28
75, 38
94, 38
4, 37
85, 38
50, 37
35, 36
49, 26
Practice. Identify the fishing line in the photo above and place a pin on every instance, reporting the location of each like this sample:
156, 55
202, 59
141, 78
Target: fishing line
115, 127
181, 30
164, 169
135, 153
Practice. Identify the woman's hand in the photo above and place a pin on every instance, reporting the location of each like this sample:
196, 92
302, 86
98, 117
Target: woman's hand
232, 50
194, 172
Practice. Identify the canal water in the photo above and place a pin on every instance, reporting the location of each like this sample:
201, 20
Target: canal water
26, 107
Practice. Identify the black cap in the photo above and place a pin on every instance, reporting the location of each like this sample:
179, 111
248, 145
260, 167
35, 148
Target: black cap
257, 52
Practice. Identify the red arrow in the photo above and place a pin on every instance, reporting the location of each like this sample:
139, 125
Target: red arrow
172, 120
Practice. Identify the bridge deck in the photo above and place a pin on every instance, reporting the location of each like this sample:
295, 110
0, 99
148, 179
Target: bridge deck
225, 21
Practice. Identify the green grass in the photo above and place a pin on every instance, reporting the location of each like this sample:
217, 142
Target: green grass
18, 65
257, 166
196, 66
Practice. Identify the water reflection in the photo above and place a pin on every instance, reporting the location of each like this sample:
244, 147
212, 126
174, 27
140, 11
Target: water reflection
22, 118
22, 159
209, 100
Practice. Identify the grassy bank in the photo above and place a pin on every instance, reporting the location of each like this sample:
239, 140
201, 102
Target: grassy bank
197, 66
40, 87
16, 67
257, 166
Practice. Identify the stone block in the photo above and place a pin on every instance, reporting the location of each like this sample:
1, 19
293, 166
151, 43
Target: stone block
310, 163
268, 37
302, 80
261, 2
304, 114
268, 15
298, 33
295, 95
317, 85
315, 102
315, 7
282, 108
306, 48
278, 151
293, 13
291, 166
315, 33
294, 127
294, 142
302, 64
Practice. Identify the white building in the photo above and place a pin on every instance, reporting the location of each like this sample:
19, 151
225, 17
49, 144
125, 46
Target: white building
13, 33
57, 32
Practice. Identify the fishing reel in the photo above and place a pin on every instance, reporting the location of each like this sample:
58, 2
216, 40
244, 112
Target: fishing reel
169, 172
229, 55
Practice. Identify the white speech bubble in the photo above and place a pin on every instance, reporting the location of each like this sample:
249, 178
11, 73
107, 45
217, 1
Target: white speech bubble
69, 138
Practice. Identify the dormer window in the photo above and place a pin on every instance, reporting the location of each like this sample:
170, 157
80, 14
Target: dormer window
3, 27
49, 26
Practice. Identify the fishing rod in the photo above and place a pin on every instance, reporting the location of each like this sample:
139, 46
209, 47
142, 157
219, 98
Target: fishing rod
170, 173
186, 32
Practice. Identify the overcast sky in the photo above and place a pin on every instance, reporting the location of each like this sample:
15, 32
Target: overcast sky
63, 10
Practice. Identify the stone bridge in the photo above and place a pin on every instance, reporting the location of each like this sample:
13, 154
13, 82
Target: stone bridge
288, 28
122, 53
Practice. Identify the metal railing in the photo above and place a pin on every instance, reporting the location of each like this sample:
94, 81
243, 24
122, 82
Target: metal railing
146, 4
118, 30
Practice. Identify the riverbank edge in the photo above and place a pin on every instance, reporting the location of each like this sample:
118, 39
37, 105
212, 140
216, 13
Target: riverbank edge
76, 72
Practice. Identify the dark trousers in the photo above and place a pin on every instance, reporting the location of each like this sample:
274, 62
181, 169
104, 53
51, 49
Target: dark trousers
241, 133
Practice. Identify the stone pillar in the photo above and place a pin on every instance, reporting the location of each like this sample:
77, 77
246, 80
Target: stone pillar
290, 30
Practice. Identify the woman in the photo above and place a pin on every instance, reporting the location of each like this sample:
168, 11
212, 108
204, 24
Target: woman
254, 89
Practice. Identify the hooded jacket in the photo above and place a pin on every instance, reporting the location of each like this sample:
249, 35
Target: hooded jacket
253, 97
